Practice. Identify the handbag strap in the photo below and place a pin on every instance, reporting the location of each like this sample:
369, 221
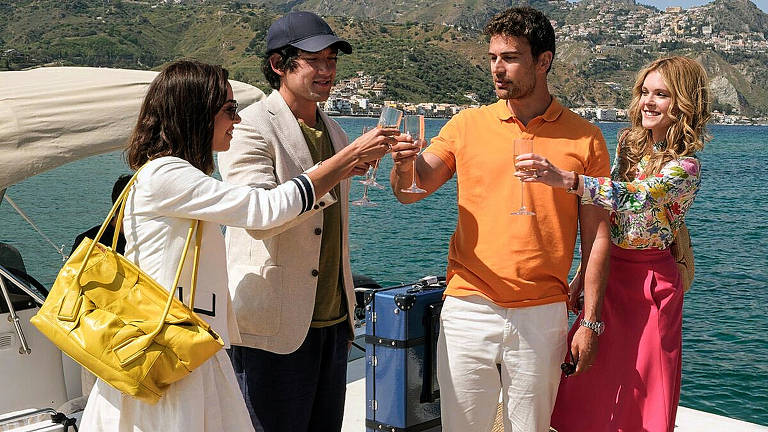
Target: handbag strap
135, 347
71, 303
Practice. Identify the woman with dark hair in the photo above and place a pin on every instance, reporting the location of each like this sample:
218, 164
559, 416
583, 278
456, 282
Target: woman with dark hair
634, 384
188, 113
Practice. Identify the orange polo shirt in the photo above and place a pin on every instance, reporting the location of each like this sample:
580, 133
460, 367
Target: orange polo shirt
514, 261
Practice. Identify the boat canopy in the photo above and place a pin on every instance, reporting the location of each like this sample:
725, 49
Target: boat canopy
52, 116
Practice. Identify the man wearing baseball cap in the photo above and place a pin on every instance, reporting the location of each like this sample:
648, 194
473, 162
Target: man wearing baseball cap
292, 285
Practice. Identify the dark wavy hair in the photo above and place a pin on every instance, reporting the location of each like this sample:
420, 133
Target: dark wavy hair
528, 23
287, 61
288, 57
177, 115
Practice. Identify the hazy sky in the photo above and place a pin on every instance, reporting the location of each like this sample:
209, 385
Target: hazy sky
661, 4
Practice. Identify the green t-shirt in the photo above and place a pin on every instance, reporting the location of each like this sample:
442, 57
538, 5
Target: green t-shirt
330, 307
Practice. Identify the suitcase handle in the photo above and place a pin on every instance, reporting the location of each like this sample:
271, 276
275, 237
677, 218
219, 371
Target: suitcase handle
427, 282
431, 282
431, 321
406, 301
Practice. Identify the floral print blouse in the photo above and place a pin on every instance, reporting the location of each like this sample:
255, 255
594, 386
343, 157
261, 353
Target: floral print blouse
647, 212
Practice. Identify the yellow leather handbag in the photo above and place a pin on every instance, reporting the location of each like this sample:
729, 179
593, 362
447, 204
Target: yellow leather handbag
120, 324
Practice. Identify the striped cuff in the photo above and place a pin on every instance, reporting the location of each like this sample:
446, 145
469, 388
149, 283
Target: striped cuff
306, 191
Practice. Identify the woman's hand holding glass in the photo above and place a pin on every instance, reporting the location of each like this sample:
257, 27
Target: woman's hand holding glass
522, 146
533, 168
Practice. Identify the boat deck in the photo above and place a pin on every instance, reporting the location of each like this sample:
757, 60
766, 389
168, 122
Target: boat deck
688, 420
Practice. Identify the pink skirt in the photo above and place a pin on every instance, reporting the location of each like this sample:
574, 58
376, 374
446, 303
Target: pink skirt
634, 384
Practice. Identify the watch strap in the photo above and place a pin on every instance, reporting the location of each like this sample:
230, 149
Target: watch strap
596, 326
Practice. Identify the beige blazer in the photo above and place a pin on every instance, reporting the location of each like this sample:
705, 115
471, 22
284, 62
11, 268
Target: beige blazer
273, 273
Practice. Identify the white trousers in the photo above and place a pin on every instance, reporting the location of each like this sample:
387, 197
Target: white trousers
484, 348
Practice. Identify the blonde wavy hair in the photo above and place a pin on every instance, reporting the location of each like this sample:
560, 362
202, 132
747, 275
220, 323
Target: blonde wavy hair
690, 110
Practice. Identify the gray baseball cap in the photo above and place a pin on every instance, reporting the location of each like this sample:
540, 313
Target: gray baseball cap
305, 31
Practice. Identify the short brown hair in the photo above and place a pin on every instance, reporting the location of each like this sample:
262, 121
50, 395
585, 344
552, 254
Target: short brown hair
177, 115
528, 23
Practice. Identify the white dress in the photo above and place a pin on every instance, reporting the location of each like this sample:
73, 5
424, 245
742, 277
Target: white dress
170, 193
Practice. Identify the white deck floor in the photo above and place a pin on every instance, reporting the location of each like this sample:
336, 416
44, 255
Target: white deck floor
688, 420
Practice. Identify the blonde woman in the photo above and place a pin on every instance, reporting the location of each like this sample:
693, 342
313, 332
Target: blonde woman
634, 383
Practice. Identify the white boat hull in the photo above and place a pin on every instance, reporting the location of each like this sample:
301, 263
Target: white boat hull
29, 380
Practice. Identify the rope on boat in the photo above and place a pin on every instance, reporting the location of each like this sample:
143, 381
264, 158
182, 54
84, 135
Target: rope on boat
21, 213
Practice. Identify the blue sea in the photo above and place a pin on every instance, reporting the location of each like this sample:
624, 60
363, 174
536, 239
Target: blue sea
725, 326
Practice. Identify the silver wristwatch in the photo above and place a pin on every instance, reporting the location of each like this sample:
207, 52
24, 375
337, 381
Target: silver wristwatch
596, 326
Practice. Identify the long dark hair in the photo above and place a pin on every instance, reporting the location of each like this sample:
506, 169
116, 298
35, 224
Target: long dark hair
177, 115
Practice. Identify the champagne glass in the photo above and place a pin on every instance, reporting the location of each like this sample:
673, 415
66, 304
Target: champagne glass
367, 179
413, 126
364, 201
370, 179
523, 146
370, 176
390, 118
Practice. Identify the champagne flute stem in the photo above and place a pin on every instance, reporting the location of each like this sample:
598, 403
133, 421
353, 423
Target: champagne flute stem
522, 194
413, 174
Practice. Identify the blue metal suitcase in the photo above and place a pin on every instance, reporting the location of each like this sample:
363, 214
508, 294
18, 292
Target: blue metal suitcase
402, 324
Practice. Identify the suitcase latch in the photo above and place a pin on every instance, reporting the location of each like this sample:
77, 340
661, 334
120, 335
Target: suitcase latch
405, 301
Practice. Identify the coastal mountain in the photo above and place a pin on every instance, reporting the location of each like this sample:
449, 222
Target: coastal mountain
472, 15
737, 16
465, 14
423, 51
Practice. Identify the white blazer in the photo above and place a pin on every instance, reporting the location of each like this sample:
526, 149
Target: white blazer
273, 272
170, 193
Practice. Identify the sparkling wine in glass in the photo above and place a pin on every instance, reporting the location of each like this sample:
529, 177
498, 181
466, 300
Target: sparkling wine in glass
523, 146
370, 175
389, 118
413, 125
364, 201
370, 178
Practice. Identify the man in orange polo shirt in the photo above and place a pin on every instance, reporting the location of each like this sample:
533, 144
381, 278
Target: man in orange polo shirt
504, 321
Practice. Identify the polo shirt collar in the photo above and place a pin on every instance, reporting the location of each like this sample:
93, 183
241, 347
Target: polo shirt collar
551, 114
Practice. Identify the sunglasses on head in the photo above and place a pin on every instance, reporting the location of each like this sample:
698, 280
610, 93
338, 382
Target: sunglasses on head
232, 108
